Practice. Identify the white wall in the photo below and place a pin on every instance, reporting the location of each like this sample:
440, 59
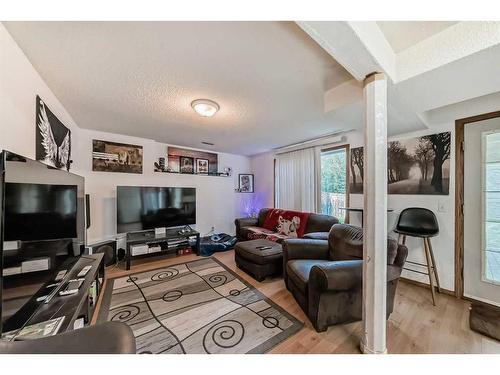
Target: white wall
19, 85
217, 203
443, 244
263, 170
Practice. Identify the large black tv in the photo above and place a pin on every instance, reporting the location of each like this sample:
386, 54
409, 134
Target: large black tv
35, 212
145, 207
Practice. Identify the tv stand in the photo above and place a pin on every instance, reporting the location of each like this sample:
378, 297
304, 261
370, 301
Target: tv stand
77, 307
147, 243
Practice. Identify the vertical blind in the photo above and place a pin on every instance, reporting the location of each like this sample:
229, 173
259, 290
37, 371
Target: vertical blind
491, 207
296, 180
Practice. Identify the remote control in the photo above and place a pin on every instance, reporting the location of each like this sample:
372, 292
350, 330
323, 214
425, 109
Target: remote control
68, 292
84, 271
60, 275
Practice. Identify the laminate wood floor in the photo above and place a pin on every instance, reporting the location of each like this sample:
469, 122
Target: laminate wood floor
415, 326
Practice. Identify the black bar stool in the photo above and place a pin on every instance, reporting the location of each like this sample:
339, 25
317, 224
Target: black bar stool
421, 222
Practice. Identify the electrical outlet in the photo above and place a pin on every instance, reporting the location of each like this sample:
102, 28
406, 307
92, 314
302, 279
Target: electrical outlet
442, 206
213, 229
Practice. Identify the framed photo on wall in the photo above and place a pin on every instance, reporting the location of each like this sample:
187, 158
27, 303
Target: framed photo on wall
245, 183
186, 164
174, 163
415, 166
116, 157
202, 166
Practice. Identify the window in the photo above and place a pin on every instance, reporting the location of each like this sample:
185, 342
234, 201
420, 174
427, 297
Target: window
295, 180
491, 207
334, 182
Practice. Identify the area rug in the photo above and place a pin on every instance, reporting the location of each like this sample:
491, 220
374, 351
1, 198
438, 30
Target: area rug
196, 307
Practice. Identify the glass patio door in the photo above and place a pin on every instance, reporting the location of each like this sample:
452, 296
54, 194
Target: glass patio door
334, 194
482, 211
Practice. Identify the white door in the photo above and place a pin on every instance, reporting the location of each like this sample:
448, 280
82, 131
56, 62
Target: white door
482, 211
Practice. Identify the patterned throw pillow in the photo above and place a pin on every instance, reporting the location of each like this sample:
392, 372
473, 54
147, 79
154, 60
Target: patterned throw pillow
287, 222
288, 227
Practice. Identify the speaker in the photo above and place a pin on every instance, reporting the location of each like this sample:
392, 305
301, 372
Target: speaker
121, 254
106, 247
87, 211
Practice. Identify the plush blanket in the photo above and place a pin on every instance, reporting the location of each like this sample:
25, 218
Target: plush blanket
286, 222
255, 233
211, 244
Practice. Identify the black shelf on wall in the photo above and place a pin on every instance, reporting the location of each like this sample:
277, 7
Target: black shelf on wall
198, 174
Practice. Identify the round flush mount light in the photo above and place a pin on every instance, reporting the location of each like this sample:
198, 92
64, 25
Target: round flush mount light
205, 107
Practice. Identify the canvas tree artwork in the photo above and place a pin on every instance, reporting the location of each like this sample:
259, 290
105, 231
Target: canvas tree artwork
356, 175
414, 166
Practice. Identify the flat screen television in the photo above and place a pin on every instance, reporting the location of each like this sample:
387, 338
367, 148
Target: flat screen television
144, 207
42, 230
36, 212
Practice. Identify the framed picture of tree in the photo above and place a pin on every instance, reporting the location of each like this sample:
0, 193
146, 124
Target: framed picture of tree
356, 169
418, 165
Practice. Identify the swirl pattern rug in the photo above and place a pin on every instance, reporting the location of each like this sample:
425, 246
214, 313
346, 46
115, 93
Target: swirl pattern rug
196, 307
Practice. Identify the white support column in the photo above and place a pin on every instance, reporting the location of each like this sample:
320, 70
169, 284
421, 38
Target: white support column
375, 215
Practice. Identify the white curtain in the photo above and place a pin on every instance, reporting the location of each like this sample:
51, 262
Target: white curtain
296, 180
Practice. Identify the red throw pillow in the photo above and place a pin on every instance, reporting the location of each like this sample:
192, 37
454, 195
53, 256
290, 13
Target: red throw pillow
290, 223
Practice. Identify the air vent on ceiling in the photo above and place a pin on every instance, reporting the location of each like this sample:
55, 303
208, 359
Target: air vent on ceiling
207, 143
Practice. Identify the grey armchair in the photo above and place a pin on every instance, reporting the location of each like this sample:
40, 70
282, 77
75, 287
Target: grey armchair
105, 338
325, 277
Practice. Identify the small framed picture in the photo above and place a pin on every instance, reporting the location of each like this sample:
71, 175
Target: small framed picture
245, 183
186, 164
202, 166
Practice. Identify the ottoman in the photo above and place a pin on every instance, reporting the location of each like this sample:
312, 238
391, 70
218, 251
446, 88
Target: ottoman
256, 262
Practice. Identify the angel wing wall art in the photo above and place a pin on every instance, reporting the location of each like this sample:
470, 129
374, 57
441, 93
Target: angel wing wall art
53, 139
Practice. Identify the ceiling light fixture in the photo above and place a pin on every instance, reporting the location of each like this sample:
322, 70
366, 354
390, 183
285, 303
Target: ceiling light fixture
205, 107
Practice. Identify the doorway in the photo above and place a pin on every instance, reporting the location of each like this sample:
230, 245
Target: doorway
334, 181
478, 208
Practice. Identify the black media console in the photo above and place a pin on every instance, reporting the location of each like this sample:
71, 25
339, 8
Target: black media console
77, 308
147, 243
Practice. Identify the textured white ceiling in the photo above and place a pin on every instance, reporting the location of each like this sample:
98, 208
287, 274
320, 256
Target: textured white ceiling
404, 34
139, 78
